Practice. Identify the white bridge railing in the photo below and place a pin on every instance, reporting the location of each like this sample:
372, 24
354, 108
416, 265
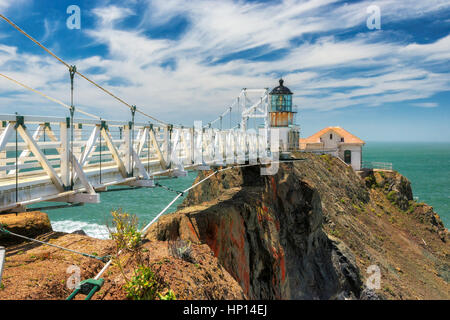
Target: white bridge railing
52, 159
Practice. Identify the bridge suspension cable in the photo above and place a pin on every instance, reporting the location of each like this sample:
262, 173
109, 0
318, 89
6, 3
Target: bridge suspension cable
46, 96
77, 72
228, 111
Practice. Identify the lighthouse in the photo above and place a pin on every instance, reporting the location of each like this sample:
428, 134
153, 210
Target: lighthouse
282, 117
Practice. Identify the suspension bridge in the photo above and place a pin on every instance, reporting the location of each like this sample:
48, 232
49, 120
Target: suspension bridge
72, 159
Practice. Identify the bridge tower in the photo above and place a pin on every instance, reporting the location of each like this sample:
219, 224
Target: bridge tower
282, 117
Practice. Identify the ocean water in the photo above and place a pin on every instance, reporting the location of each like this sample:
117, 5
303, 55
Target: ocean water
426, 165
145, 203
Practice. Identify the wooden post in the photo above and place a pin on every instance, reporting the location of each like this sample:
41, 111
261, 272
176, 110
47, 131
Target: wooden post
65, 152
128, 148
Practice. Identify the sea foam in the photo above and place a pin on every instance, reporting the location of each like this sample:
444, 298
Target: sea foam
92, 229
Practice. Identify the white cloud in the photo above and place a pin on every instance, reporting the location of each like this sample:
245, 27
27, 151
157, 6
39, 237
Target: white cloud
425, 104
111, 14
196, 88
439, 50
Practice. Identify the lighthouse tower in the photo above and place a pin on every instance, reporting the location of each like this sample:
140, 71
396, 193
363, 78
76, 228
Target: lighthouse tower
282, 117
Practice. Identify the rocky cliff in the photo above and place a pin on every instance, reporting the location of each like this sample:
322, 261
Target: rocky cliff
312, 230
39, 272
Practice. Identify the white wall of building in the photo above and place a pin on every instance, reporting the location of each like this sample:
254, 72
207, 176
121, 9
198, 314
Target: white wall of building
356, 153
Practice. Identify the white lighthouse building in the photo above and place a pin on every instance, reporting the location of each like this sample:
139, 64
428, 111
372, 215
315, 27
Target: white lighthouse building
282, 117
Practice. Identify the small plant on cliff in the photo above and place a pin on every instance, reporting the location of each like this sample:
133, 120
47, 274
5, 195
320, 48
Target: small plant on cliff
182, 250
144, 285
371, 182
356, 207
391, 196
168, 296
124, 230
412, 206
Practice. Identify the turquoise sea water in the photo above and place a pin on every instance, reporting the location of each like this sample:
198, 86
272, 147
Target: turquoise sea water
426, 165
145, 203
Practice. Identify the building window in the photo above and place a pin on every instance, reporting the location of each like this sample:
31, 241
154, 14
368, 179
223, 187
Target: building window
348, 156
331, 136
342, 139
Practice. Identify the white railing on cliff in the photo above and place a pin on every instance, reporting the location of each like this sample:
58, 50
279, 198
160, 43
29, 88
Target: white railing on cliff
377, 165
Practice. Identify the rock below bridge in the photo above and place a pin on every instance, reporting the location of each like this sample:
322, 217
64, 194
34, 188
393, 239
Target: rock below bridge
266, 231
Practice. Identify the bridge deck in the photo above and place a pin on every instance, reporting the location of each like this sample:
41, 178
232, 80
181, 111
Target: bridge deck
52, 167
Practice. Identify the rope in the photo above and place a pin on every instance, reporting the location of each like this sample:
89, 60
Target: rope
169, 188
47, 97
77, 72
219, 118
103, 259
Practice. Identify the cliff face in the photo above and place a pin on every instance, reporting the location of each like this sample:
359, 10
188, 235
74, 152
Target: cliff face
267, 232
312, 230
309, 232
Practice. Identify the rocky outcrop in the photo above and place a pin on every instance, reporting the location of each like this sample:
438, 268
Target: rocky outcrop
266, 231
30, 224
313, 230
397, 189
394, 185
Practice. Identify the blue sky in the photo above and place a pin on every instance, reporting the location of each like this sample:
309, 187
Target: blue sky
187, 60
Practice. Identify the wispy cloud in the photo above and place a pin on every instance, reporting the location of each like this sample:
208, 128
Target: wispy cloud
324, 70
425, 105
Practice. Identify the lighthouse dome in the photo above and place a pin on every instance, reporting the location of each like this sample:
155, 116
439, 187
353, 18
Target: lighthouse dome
281, 89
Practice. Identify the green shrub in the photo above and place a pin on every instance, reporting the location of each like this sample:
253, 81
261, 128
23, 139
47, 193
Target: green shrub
371, 182
168, 296
391, 196
144, 285
124, 230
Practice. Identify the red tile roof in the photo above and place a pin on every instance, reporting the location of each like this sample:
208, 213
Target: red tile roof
348, 137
